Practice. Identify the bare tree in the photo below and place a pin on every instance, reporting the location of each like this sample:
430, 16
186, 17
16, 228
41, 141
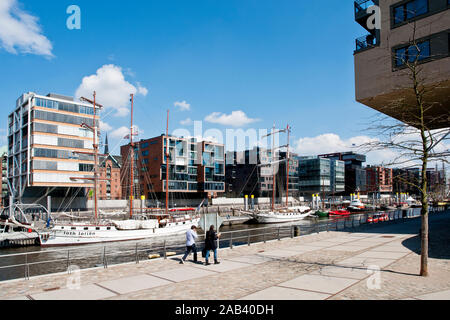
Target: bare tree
415, 138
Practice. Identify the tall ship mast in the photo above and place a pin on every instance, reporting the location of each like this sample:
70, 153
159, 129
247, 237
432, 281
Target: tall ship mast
286, 214
154, 225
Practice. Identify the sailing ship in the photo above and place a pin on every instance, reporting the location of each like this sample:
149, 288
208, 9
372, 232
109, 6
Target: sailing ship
151, 226
284, 214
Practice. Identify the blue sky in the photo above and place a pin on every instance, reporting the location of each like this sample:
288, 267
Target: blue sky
275, 61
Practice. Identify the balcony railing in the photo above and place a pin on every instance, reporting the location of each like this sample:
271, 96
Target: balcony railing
366, 42
363, 5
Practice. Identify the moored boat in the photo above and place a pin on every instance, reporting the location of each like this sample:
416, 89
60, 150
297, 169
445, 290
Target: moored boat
340, 213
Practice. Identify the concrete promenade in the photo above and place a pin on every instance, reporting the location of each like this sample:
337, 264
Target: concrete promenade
379, 262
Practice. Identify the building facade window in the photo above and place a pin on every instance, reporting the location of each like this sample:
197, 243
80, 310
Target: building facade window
413, 53
410, 10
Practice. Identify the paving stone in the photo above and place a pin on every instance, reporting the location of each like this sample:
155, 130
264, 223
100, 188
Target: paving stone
279, 253
302, 248
320, 244
349, 248
251, 259
319, 283
382, 254
342, 272
224, 266
365, 262
183, 273
277, 293
19, 298
441, 295
400, 249
88, 292
136, 283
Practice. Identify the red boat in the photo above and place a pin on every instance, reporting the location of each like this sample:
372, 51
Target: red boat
182, 210
340, 213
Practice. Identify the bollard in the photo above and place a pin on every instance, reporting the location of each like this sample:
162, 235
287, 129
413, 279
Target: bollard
136, 254
292, 232
165, 250
279, 239
68, 259
297, 231
231, 240
248, 241
105, 259
264, 236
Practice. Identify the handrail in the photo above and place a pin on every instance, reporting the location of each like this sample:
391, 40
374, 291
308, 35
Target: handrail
267, 233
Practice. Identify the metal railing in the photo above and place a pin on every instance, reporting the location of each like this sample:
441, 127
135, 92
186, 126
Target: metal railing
363, 5
104, 255
366, 42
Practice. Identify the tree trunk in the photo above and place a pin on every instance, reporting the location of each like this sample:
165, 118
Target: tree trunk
424, 217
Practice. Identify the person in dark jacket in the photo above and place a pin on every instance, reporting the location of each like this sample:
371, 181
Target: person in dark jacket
210, 244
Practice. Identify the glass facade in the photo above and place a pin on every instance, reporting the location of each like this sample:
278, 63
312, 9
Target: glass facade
410, 10
412, 53
63, 106
57, 117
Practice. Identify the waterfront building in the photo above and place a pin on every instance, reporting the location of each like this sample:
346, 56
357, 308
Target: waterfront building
381, 77
405, 180
355, 175
249, 173
294, 179
197, 169
47, 147
321, 175
109, 169
379, 180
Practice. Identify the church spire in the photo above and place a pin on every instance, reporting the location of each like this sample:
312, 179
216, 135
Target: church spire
106, 145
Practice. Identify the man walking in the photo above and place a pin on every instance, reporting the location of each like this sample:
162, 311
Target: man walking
191, 236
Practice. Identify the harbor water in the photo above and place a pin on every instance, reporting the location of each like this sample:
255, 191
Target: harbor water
14, 263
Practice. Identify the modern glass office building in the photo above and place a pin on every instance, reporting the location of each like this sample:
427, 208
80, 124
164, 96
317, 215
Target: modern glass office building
47, 146
197, 169
318, 175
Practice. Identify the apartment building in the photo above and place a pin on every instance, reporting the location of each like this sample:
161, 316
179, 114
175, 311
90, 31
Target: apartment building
249, 173
294, 179
379, 180
409, 30
321, 175
48, 147
197, 169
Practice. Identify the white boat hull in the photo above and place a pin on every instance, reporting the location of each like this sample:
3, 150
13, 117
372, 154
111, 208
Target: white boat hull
280, 217
80, 236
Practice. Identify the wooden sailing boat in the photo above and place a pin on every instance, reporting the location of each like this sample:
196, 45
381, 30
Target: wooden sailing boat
286, 213
131, 229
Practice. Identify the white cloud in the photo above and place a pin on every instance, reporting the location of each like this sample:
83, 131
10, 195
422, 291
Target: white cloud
105, 126
113, 91
183, 105
186, 122
331, 143
235, 119
141, 90
20, 32
121, 132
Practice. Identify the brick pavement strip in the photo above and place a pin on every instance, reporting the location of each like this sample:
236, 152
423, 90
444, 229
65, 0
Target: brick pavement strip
303, 268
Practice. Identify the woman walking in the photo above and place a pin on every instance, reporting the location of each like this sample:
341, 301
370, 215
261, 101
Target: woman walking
210, 244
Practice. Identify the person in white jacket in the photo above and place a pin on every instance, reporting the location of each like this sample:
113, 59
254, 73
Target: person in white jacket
191, 236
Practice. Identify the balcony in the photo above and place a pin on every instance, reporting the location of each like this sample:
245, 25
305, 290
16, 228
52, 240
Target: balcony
366, 42
361, 14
